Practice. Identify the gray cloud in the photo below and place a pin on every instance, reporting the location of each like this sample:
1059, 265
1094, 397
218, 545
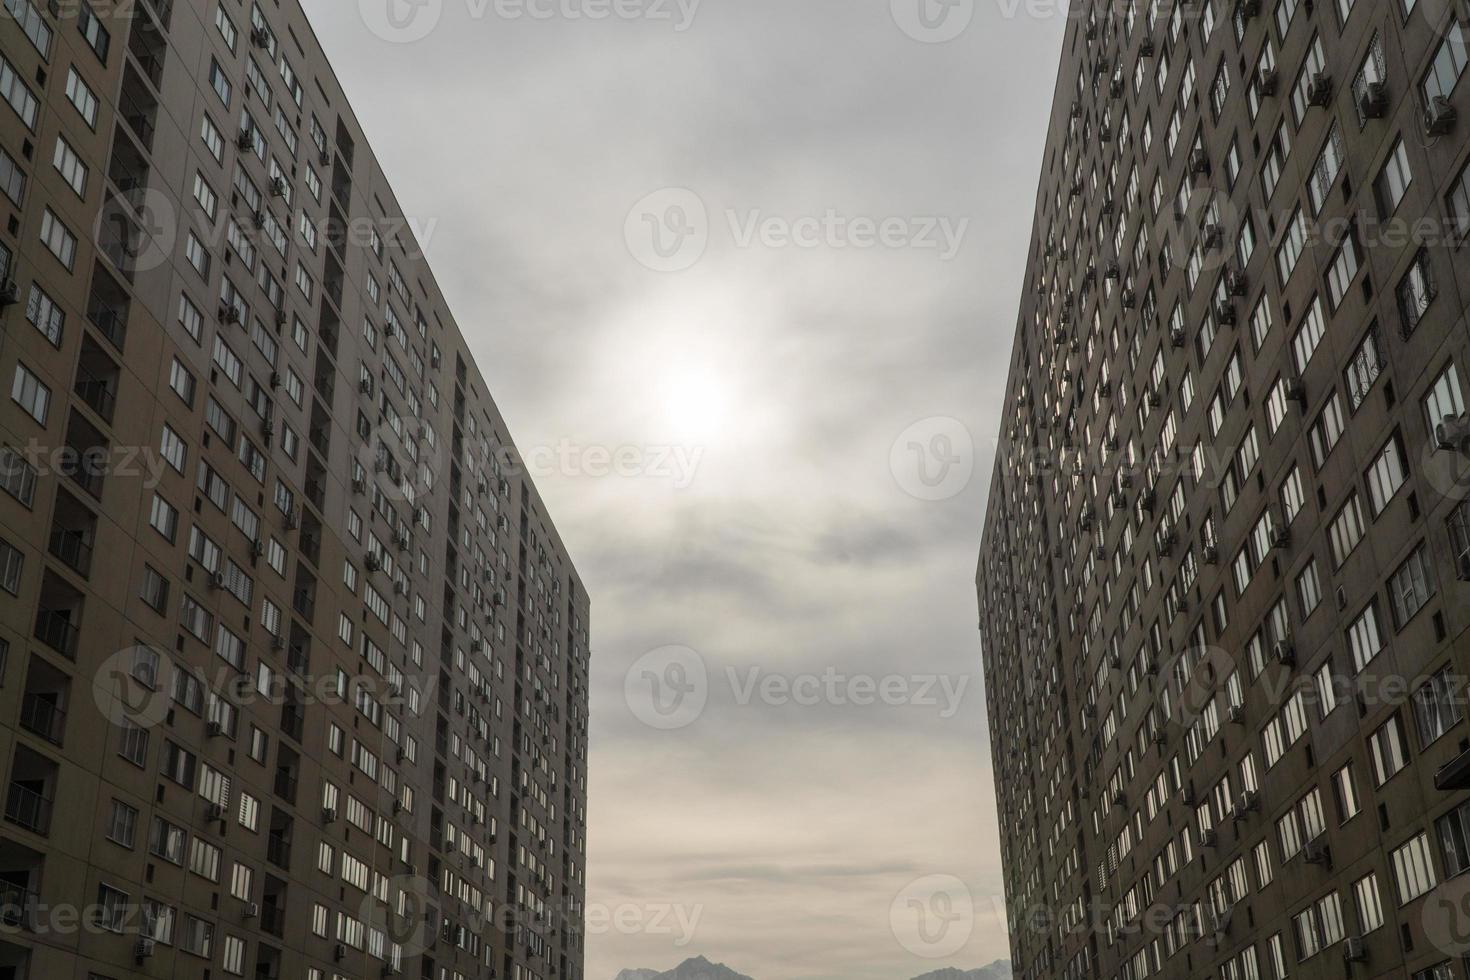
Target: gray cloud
795, 548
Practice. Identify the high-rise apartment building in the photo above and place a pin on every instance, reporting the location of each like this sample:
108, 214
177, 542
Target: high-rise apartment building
1225, 585
294, 662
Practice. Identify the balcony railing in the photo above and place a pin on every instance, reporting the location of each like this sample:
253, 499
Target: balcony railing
278, 850
72, 548
111, 321
27, 808
17, 905
96, 393
57, 631
273, 920
42, 717
285, 785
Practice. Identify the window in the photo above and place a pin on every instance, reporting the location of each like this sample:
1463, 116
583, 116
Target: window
1365, 640
1448, 65
1309, 590
1436, 707
198, 258
45, 315
197, 937
29, 393
1364, 369
1345, 792
1394, 180
1293, 243
1453, 830
1444, 399
1457, 202
12, 178
29, 19
154, 589
164, 518
1365, 898
219, 82
1411, 586
1308, 336
1342, 271
112, 908
1416, 292
92, 30
81, 97
17, 477
122, 824
58, 239
1386, 476
1387, 748
1413, 869
70, 166
1346, 530
172, 448
20, 98
213, 140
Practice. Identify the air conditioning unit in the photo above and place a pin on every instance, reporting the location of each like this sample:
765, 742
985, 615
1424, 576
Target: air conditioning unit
339, 952
1199, 163
1317, 852
365, 386
1209, 838
1120, 798
1354, 950
400, 589
217, 580
1187, 794
1167, 543
251, 910
1236, 714
278, 643
1296, 391
229, 314
1211, 554
329, 814
142, 949
1147, 49
325, 158
1250, 802
214, 729
278, 187
293, 519
401, 754
1280, 536
260, 37
1149, 500
1214, 235
9, 293
1237, 283
1155, 400
1225, 314
1130, 299
280, 318
1176, 336
1249, 9
1319, 90
391, 970
1439, 116
1161, 737
371, 562
257, 548
1268, 82
1373, 100
1453, 433
359, 485
216, 812
1283, 652
245, 140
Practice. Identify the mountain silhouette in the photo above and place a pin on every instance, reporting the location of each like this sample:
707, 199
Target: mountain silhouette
700, 968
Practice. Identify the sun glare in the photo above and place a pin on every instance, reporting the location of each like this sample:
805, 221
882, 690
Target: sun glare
696, 403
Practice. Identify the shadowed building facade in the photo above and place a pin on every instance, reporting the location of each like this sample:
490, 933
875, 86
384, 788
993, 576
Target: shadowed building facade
294, 661
1223, 587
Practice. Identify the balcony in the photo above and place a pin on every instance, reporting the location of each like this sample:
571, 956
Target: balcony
20, 882
89, 451
29, 801
149, 48
108, 303
278, 850
43, 703
96, 381
138, 107
73, 531
59, 615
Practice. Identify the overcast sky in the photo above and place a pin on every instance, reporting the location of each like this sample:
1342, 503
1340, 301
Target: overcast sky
767, 256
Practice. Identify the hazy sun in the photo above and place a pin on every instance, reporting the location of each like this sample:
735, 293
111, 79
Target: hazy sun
696, 403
